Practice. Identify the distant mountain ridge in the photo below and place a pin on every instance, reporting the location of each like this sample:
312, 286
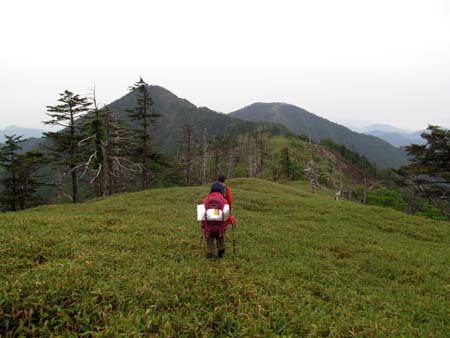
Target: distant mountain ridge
176, 112
16, 130
382, 127
399, 139
277, 118
301, 121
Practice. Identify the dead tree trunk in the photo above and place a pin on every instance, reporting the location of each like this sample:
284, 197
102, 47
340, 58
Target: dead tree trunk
203, 171
230, 164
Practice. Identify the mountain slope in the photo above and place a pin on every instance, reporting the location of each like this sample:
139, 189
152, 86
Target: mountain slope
304, 122
176, 112
305, 265
398, 139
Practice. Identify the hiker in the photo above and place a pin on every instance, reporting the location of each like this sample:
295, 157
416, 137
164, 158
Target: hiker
215, 230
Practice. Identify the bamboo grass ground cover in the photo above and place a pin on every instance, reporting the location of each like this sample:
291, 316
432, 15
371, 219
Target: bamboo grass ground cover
306, 265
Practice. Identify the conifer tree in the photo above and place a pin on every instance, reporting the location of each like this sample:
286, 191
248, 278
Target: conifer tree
145, 119
29, 164
65, 150
9, 159
429, 171
286, 163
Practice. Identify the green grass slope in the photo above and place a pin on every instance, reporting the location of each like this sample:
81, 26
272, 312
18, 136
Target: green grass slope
306, 265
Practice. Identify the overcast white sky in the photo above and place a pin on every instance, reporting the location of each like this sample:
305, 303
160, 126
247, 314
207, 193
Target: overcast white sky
351, 61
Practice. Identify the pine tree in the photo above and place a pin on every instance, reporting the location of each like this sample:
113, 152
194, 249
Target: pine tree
29, 164
9, 159
429, 171
145, 118
65, 149
286, 163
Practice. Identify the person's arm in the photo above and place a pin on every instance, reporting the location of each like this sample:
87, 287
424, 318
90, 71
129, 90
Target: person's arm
229, 196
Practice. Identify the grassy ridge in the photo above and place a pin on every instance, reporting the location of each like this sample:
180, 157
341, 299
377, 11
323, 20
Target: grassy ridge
306, 266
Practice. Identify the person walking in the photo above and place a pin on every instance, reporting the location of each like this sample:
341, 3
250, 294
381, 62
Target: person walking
214, 231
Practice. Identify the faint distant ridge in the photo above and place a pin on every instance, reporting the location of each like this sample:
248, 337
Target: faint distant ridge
301, 121
386, 128
399, 139
16, 130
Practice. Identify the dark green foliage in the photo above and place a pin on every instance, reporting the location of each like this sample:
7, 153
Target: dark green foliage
358, 193
145, 118
65, 143
432, 158
29, 182
432, 212
386, 198
9, 160
19, 181
429, 172
286, 163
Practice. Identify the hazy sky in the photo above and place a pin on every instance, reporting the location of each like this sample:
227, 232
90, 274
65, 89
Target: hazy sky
381, 61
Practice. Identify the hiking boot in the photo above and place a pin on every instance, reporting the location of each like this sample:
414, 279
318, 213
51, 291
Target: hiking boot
221, 253
209, 255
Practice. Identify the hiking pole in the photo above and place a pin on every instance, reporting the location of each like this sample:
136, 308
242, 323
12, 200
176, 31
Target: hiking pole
233, 226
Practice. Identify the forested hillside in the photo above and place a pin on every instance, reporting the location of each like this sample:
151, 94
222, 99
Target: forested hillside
303, 122
177, 113
150, 138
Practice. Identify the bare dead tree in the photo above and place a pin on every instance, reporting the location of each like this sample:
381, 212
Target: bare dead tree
311, 170
231, 160
250, 154
187, 144
261, 154
203, 169
216, 153
337, 177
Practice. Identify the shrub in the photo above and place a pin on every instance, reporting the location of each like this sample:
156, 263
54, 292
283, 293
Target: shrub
387, 198
431, 212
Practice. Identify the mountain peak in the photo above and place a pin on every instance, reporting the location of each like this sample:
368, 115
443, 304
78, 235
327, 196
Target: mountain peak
303, 122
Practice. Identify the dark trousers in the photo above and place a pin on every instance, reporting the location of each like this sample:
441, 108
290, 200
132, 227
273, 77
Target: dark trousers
210, 243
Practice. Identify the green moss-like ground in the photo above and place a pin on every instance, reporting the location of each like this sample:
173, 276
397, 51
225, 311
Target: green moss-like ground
305, 265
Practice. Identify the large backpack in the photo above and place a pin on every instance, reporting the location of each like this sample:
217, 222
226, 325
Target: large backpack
215, 228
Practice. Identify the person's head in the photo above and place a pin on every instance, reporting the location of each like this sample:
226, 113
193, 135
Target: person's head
221, 179
217, 187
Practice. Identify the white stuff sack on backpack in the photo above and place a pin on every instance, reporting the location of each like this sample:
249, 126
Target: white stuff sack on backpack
212, 214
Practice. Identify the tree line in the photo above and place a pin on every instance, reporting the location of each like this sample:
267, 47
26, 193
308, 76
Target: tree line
92, 145
97, 151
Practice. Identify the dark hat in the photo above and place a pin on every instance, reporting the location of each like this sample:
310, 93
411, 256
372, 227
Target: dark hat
217, 187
